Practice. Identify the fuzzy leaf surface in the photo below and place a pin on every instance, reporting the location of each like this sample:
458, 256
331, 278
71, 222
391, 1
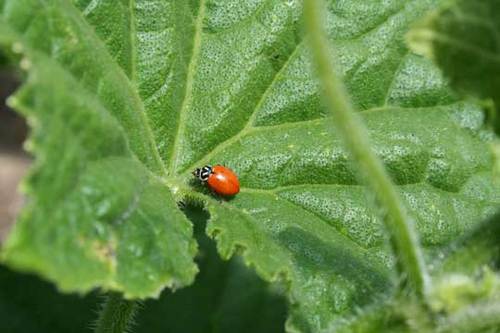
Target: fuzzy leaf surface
126, 98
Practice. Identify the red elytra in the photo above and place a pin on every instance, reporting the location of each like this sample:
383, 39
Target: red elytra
223, 181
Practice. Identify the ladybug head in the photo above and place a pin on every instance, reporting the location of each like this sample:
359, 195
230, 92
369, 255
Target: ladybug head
203, 173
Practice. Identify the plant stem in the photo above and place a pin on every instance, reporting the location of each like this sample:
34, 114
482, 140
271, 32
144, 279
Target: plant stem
116, 314
350, 128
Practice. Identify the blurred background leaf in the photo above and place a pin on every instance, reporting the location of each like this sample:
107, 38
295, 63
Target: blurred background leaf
463, 38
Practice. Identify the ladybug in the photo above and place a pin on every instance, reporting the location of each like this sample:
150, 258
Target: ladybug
220, 179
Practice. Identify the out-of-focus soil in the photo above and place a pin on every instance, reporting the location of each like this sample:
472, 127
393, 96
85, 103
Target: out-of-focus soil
13, 162
13, 166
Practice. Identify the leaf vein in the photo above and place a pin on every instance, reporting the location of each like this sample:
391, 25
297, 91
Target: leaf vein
332, 225
395, 77
91, 7
188, 94
249, 124
120, 71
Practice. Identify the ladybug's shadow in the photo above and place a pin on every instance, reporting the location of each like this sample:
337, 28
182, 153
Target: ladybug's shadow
201, 187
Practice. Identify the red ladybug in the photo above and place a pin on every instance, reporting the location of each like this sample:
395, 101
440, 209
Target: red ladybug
220, 179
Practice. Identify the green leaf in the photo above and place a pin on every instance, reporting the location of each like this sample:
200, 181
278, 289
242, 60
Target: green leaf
126, 98
462, 38
99, 214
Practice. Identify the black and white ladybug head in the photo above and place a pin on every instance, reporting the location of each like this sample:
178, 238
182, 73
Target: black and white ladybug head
203, 173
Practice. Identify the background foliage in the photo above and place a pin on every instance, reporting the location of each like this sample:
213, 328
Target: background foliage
124, 99
463, 38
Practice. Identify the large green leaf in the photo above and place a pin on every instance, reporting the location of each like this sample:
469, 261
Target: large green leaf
126, 98
99, 213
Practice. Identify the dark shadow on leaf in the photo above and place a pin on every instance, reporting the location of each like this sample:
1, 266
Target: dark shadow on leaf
28, 304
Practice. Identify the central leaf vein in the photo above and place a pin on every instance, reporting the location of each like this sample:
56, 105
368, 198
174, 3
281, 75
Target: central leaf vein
188, 95
71, 10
